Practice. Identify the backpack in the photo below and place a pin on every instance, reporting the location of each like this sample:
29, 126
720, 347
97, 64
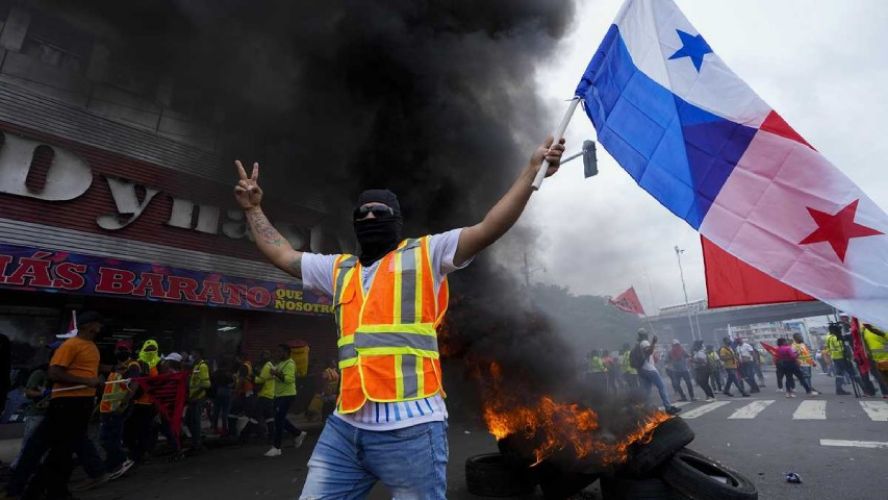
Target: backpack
636, 357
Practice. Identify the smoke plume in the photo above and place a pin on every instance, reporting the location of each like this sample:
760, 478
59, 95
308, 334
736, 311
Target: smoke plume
434, 99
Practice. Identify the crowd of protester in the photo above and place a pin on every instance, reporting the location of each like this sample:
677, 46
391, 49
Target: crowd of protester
74, 391
737, 364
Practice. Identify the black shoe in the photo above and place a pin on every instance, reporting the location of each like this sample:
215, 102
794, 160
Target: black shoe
683, 399
672, 410
746, 395
843, 393
728, 394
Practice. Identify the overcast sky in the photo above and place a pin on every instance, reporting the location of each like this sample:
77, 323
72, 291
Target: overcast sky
821, 64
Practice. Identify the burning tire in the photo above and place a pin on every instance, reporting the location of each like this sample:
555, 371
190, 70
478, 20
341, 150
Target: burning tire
651, 488
488, 475
667, 439
702, 478
557, 483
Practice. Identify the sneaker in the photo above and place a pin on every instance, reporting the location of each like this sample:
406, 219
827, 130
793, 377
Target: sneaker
709, 400
672, 410
273, 452
746, 395
788, 395
728, 394
297, 442
792, 395
843, 393
813, 393
683, 399
124, 467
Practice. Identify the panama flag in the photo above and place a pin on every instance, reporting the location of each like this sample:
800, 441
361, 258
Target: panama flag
699, 140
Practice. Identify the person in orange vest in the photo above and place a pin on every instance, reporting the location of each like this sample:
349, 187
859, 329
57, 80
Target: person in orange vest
389, 300
112, 409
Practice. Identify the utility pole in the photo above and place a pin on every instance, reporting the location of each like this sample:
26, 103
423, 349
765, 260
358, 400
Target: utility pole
678, 252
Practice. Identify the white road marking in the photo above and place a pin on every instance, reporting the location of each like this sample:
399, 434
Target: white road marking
877, 410
810, 410
752, 409
702, 410
856, 444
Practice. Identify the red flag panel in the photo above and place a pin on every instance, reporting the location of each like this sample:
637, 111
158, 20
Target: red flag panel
168, 392
732, 282
628, 302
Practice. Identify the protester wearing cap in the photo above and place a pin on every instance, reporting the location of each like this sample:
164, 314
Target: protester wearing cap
73, 370
389, 382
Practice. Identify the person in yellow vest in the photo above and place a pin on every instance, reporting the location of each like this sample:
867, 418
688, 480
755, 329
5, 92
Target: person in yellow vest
284, 374
630, 375
262, 415
597, 371
877, 344
715, 368
139, 427
730, 360
389, 300
198, 384
835, 343
112, 409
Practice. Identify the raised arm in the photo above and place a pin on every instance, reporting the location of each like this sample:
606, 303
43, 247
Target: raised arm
270, 242
505, 213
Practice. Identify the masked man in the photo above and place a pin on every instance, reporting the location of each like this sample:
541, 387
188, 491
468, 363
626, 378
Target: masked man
388, 302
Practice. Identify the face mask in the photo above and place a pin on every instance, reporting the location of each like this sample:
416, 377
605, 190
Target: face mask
377, 237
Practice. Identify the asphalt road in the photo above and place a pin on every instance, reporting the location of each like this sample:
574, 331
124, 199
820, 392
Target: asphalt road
777, 435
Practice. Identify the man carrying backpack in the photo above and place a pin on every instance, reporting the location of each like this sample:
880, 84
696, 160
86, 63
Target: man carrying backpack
641, 358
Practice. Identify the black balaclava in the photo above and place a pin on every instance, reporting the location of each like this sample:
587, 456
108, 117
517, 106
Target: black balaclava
380, 235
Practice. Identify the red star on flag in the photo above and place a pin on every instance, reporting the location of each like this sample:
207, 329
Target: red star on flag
837, 229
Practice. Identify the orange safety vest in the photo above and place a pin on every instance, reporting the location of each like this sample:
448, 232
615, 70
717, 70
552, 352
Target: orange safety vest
145, 399
114, 394
388, 344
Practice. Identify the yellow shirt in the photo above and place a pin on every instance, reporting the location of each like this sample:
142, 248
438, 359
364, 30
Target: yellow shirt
266, 380
79, 358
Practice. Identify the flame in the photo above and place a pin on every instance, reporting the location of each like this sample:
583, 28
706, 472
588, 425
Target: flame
559, 426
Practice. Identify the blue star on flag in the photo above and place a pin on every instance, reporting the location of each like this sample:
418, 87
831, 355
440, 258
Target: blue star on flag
694, 47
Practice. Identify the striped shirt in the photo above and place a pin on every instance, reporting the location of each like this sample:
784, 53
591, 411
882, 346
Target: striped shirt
317, 275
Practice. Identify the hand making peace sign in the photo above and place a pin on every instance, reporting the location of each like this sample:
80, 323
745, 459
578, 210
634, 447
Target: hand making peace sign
247, 192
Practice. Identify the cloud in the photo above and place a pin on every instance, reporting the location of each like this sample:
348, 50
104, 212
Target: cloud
820, 64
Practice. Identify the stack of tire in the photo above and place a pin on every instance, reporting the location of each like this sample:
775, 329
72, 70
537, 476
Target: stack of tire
660, 469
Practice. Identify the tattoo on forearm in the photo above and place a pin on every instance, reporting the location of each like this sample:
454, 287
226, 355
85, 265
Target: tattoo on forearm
263, 230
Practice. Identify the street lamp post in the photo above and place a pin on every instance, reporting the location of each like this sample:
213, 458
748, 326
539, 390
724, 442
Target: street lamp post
678, 252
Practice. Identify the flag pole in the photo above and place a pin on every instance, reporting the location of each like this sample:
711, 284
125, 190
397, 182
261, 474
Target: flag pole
75, 387
559, 133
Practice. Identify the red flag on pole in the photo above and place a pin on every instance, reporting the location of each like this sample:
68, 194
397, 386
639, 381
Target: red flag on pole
168, 392
628, 302
772, 350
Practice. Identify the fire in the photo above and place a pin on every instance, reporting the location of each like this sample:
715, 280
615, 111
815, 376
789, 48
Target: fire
559, 426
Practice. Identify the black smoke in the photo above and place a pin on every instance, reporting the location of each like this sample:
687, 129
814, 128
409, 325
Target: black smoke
434, 99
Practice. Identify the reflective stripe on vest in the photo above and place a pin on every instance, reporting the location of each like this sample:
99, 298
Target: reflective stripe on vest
113, 394
877, 345
388, 346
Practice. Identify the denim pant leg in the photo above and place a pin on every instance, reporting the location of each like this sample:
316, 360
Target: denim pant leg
335, 469
31, 424
111, 434
411, 462
686, 376
29, 460
195, 408
652, 377
281, 422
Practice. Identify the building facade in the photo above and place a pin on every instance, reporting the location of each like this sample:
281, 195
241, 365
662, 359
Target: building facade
115, 196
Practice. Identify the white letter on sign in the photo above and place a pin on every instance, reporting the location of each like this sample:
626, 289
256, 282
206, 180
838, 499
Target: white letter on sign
127, 202
67, 178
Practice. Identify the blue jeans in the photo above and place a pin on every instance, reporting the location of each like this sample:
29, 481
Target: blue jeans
221, 408
347, 461
111, 435
652, 377
31, 424
195, 411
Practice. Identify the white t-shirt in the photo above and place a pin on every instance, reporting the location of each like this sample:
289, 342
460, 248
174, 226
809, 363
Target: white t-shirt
317, 276
745, 351
649, 361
